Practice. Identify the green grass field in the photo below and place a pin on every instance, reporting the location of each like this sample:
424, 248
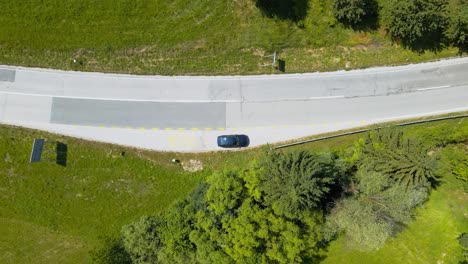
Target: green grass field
187, 37
55, 214
45, 207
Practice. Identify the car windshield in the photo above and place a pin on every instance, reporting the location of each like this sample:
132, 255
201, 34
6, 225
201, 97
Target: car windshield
229, 141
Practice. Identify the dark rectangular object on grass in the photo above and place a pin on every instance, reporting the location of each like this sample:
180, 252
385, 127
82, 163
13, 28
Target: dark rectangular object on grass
36, 153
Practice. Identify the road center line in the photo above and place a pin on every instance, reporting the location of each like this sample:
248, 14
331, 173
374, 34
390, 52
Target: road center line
121, 99
434, 88
326, 97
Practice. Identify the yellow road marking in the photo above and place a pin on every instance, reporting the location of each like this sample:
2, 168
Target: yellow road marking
168, 128
195, 128
181, 128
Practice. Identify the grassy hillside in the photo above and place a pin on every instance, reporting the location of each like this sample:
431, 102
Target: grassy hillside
187, 37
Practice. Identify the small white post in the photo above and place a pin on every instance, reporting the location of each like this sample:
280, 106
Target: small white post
274, 59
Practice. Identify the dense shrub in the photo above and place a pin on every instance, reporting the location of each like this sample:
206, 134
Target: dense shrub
377, 210
417, 24
356, 12
454, 161
141, 240
457, 31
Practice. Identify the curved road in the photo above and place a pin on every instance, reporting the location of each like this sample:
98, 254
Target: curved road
187, 113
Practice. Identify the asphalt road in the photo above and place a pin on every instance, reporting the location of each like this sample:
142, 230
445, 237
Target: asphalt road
187, 113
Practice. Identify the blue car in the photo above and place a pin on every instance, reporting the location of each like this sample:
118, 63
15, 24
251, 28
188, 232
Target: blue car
233, 141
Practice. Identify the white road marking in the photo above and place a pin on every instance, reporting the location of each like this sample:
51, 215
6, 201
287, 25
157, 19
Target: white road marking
168, 101
121, 99
402, 117
326, 97
435, 88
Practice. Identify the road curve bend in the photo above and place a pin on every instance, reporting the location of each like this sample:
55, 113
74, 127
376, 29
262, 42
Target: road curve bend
187, 113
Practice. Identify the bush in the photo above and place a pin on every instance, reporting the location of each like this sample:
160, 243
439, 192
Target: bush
454, 161
457, 31
376, 211
142, 240
417, 24
356, 13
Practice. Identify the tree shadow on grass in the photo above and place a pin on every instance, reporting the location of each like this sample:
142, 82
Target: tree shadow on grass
112, 251
294, 10
434, 42
61, 153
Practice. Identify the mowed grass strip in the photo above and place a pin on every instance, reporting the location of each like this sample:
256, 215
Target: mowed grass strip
187, 37
23, 242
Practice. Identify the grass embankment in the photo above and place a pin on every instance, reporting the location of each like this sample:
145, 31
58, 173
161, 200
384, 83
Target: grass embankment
187, 37
55, 214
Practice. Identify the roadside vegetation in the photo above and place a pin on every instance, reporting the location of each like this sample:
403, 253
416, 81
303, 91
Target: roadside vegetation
373, 197
228, 37
287, 207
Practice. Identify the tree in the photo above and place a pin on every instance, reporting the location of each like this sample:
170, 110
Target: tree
418, 24
174, 234
236, 226
225, 193
298, 181
457, 30
405, 160
230, 219
356, 13
141, 240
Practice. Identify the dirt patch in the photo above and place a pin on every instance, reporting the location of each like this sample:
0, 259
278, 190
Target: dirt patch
192, 165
